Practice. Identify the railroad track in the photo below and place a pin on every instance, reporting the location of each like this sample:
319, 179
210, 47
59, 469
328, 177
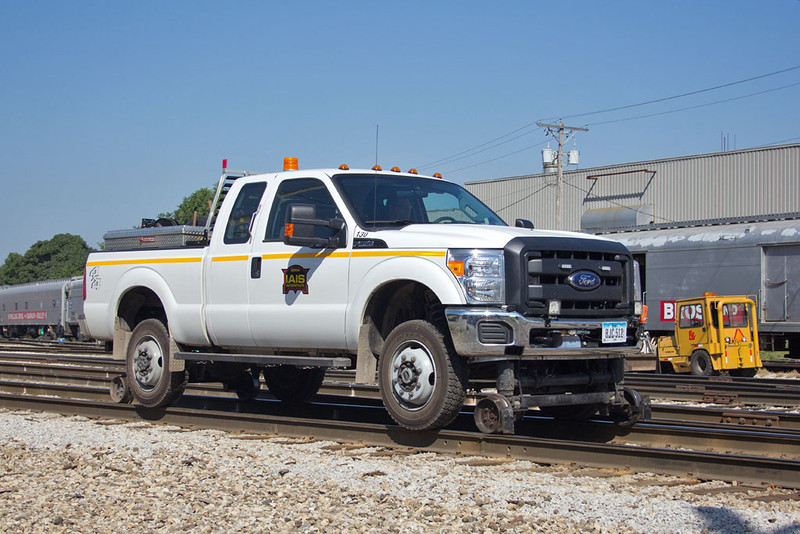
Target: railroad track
712, 390
719, 443
718, 389
787, 364
60, 347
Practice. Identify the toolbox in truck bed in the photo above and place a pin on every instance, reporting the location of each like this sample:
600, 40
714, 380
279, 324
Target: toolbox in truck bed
154, 238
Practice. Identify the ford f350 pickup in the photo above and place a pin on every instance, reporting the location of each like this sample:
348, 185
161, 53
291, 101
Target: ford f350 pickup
408, 279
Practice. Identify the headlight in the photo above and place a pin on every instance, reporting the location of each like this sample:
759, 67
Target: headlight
481, 274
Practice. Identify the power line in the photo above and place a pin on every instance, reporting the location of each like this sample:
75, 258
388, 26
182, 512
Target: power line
781, 142
697, 106
497, 158
455, 157
474, 150
524, 198
690, 93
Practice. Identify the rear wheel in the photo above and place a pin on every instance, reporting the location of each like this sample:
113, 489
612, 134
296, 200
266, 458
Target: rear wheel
421, 378
293, 384
150, 379
701, 363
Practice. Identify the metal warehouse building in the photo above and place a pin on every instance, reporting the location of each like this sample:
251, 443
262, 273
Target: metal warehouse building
741, 183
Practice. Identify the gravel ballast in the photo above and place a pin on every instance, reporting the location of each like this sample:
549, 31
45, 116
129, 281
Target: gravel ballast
73, 474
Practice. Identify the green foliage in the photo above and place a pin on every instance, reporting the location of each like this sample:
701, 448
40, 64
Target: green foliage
61, 257
196, 202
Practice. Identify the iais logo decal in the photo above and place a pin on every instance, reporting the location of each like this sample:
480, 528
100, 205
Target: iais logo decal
584, 280
295, 278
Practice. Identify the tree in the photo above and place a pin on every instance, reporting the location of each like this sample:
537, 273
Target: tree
196, 202
63, 256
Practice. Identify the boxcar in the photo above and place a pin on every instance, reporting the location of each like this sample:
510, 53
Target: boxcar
760, 258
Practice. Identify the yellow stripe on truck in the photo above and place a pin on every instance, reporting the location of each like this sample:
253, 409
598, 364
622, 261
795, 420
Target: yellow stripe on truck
230, 258
143, 262
382, 253
305, 255
388, 253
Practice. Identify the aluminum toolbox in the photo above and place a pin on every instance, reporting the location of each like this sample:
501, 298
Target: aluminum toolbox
154, 238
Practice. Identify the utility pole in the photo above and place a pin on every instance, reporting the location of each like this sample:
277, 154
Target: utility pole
551, 130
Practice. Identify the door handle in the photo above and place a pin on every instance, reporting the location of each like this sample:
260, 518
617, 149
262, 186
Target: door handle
255, 267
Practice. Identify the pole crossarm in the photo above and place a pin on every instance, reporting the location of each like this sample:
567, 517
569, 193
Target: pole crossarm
551, 129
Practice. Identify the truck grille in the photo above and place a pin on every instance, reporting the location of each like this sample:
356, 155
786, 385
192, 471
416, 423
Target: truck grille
587, 277
549, 275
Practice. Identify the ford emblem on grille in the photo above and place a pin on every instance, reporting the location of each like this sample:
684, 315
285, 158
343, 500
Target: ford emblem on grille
584, 280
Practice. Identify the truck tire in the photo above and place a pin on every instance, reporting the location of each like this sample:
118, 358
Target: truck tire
421, 378
147, 362
701, 363
293, 384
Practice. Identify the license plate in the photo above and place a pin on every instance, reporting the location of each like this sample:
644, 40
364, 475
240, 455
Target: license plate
615, 332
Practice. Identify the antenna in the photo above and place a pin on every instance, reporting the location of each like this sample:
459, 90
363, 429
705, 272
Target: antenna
377, 126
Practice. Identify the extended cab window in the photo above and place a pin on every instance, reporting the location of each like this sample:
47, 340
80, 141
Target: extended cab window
238, 229
301, 191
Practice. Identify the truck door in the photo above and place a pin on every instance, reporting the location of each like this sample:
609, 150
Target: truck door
228, 268
298, 295
692, 329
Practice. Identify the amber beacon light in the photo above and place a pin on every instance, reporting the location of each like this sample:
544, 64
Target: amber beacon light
290, 164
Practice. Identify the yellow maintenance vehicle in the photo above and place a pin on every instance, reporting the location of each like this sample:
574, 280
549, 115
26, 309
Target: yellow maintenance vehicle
713, 334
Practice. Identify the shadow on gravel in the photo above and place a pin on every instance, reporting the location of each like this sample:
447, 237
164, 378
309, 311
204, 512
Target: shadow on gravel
150, 414
372, 412
725, 521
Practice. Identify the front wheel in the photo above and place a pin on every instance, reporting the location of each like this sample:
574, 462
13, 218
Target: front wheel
700, 363
151, 381
421, 378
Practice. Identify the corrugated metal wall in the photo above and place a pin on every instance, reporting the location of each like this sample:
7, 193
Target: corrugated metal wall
753, 182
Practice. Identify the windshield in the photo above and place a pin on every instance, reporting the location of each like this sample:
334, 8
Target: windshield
378, 200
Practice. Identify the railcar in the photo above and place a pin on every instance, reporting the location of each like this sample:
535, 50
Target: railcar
743, 257
49, 308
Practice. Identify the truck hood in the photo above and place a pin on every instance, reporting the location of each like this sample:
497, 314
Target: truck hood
465, 236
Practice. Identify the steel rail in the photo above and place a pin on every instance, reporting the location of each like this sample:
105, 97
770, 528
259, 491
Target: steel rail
99, 373
751, 384
223, 415
759, 441
784, 365
719, 390
63, 347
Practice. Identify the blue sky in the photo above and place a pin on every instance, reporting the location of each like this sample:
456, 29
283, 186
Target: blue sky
112, 111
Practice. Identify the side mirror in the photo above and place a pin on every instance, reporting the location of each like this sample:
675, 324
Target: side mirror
523, 223
300, 228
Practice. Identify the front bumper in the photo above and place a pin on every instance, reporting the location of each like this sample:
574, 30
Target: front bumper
489, 334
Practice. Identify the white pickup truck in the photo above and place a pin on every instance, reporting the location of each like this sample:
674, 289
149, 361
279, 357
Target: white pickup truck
410, 280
